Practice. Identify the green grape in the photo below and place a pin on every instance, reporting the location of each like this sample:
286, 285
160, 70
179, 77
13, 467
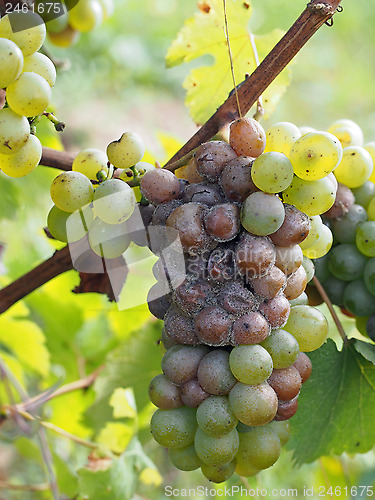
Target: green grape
259, 448
108, 8
282, 347
89, 162
174, 428
142, 167
108, 240
71, 191
215, 416
322, 246
311, 197
11, 62
365, 238
69, 227
127, 151
334, 288
282, 429
29, 30
355, 167
262, 213
30, 95
308, 265
281, 136
321, 268
185, 458
371, 210
24, 161
14, 131
114, 201
315, 155
309, 326
58, 24
346, 262
272, 172
65, 38
360, 324
370, 147
41, 65
301, 300
369, 276
364, 194
344, 229
86, 15
218, 473
216, 450
250, 364
316, 225
348, 132
253, 405
358, 300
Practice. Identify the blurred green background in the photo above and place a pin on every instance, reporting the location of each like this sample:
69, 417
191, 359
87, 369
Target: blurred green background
117, 80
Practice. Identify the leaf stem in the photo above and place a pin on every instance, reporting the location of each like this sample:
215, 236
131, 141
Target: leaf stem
260, 110
230, 57
335, 318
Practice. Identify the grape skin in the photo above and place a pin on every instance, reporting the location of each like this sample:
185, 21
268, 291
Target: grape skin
11, 62
14, 131
108, 240
311, 197
86, 15
262, 213
126, 151
114, 201
71, 190
24, 161
69, 227
309, 327
41, 65
247, 137
355, 167
29, 40
30, 95
272, 172
89, 162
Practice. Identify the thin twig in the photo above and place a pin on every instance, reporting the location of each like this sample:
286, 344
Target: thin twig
331, 309
181, 162
23, 487
230, 57
260, 110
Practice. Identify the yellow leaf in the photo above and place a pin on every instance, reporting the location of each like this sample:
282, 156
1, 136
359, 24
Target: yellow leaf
208, 86
26, 341
150, 477
116, 436
123, 403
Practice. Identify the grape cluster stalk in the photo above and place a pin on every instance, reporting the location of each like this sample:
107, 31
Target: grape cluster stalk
236, 320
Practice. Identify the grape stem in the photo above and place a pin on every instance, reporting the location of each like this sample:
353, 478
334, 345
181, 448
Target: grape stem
311, 19
335, 318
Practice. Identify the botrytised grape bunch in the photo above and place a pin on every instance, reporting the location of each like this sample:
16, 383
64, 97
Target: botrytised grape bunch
26, 78
347, 272
236, 320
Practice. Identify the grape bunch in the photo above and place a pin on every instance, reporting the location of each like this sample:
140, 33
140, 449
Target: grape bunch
236, 320
90, 201
65, 29
347, 272
26, 77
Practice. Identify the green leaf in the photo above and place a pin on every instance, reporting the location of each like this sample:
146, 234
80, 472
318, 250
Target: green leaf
9, 197
117, 482
123, 403
116, 436
208, 86
25, 340
336, 406
133, 364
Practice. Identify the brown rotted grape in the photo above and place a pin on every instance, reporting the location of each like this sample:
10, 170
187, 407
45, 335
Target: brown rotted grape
286, 382
222, 222
192, 393
343, 202
247, 137
211, 157
164, 393
288, 259
208, 194
294, 229
255, 255
179, 327
236, 180
276, 311
236, 299
270, 285
295, 284
192, 296
159, 186
304, 366
212, 326
286, 409
180, 363
250, 328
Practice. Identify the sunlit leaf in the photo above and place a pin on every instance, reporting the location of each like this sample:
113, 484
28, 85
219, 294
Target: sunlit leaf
123, 403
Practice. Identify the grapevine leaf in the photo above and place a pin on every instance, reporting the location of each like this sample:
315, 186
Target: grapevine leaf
25, 340
336, 406
123, 403
208, 86
366, 349
116, 482
9, 199
133, 364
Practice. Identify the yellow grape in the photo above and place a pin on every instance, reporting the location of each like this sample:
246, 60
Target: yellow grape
314, 233
24, 161
127, 151
58, 24
272, 172
281, 136
30, 30
321, 246
370, 147
89, 162
355, 167
371, 210
11, 62
41, 65
347, 132
65, 38
86, 15
315, 155
30, 95
71, 190
311, 197
14, 131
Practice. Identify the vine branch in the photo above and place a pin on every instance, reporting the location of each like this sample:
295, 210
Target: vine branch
312, 18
